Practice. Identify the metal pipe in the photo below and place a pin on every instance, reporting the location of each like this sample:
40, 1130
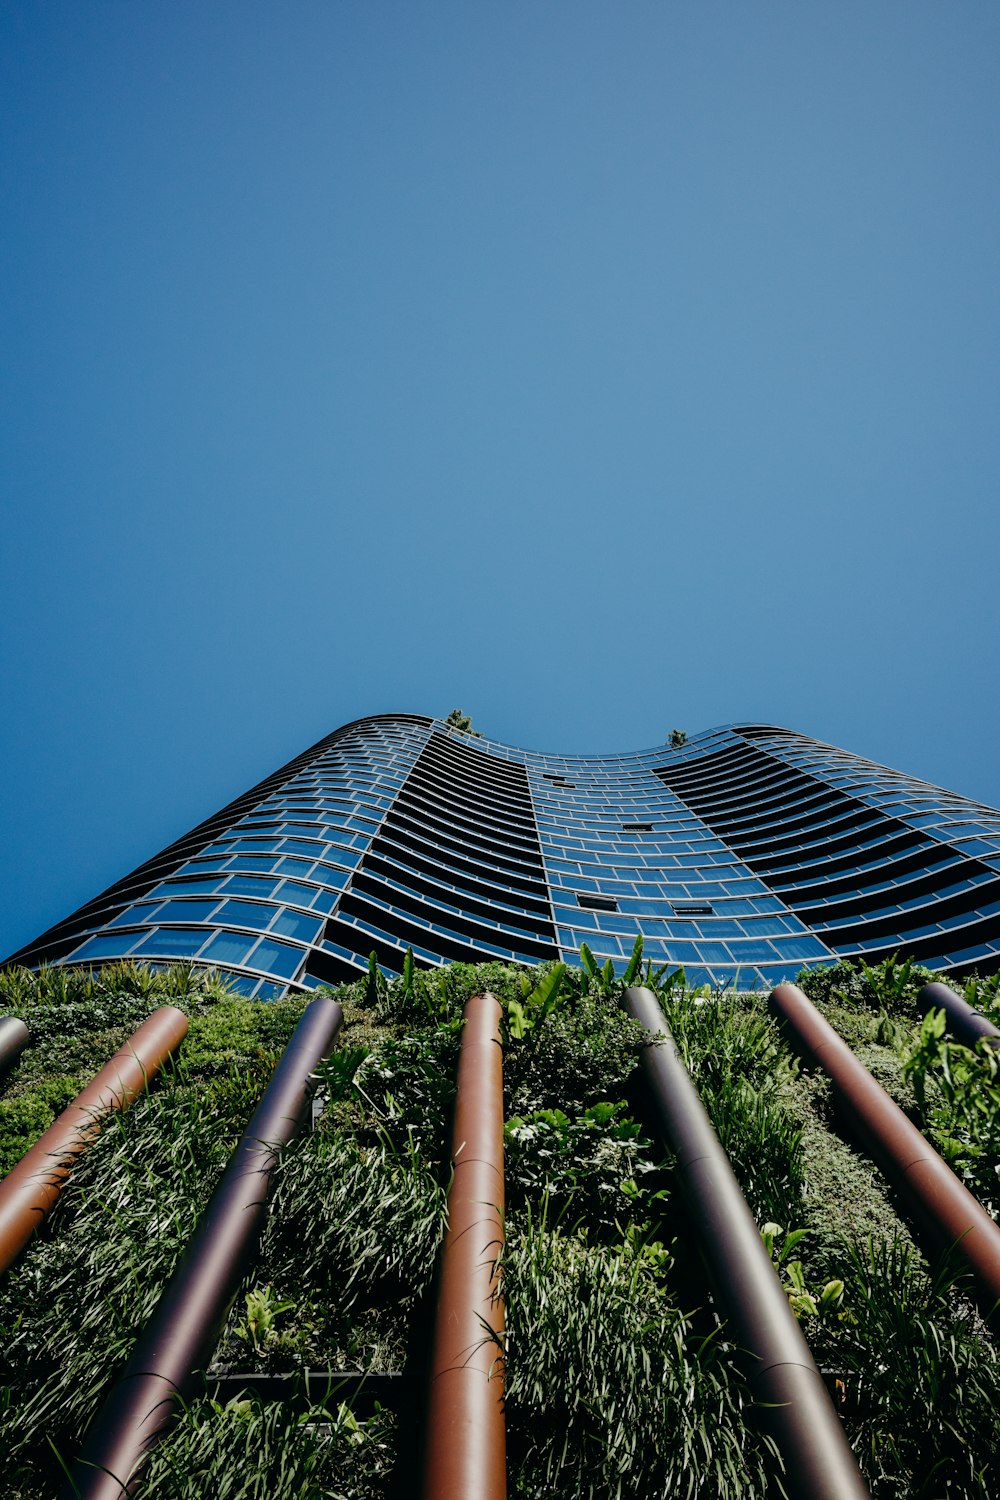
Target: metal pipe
964, 1022
790, 1399
180, 1336
31, 1188
14, 1037
938, 1199
466, 1448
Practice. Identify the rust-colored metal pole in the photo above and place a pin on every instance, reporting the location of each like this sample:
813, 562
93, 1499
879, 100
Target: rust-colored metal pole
938, 1199
31, 1188
466, 1450
14, 1037
790, 1400
184, 1329
963, 1022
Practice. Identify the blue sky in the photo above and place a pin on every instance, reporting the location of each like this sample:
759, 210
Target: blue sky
597, 368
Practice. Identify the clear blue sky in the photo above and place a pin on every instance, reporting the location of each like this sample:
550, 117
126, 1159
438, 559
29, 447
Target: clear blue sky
597, 368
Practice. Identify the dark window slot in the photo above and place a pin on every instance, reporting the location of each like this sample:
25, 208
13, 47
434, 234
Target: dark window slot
596, 903
637, 828
692, 911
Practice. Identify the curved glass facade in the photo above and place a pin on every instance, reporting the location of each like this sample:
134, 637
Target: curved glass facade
742, 855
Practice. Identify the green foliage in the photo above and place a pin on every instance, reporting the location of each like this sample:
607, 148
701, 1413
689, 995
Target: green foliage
958, 1095
888, 986
526, 1018
983, 994
353, 1218
408, 1084
763, 1142
740, 1067
24, 1118
583, 1055
585, 1169
824, 1302
921, 1380
69, 1312
462, 723
610, 1392
259, 1324
677, 739
310, 1455
614, 1389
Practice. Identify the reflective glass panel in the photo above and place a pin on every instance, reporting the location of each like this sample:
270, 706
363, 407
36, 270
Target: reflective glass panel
276, 958
228, 948
107, 945
186, 911
296, 924
245, 913
173, 941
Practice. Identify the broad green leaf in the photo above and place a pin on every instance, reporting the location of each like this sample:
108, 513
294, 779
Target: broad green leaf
635, 962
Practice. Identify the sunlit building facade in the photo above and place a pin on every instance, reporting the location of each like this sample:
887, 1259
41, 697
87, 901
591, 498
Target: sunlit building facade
741, 855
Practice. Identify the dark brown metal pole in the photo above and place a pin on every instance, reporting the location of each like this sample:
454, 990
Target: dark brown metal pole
790, 1399
14, 1037
466, 1452
939, 1200
963, 1022
185, 1327
32, 1187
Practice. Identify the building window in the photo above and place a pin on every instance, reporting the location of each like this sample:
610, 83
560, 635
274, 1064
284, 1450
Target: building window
596, 903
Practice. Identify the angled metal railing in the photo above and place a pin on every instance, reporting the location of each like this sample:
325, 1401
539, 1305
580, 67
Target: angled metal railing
183, 1331
29, 1191
465, 1450
790, 1399
938, 1199
963, 1022
14, 1037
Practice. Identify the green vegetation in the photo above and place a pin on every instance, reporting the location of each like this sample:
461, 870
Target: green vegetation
621, 1381
462, 722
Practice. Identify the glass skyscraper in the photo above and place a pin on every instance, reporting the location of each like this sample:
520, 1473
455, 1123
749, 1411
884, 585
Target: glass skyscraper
742, 855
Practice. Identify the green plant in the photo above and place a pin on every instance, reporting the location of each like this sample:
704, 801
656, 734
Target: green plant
890, 985
583, 1055
323, 1451
627, 1401
462, 723
263, 1310
958, 1094
922, 1382
526, 1017
826, 1302
587, 1169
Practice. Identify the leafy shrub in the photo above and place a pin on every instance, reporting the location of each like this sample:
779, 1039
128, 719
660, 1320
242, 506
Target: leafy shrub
27, 1116
887, 986
408, 1085
961, 1109
583, 1054
921, 1381
610, 1392
311, 1455
585, 1169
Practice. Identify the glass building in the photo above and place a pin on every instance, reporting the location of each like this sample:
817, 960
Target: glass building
742, 855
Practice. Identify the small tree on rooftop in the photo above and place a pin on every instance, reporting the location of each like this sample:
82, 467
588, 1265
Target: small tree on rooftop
462, 722
677, 739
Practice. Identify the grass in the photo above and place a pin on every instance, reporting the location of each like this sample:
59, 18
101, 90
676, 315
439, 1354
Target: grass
620, 1379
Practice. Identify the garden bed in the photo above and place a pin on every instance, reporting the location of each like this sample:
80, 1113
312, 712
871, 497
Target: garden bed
620, 1378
